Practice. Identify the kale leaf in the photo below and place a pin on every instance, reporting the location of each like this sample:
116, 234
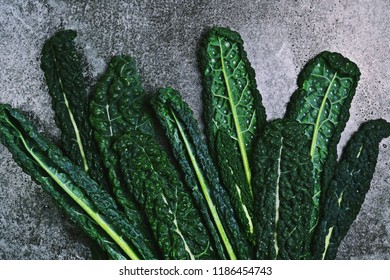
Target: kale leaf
116, 109
326, 87
200, 174
348, 187
174, 219
234, 116
283, 191
90, 206
61, 64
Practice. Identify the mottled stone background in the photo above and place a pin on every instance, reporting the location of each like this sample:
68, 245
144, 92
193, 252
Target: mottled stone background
163, 36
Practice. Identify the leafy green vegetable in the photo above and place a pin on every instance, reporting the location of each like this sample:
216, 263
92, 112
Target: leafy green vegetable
174, 219
137, 163
60, 62
346, 192
270, 191
234, 116
282, 185
326, 87
83, 200
201, 176
117, 108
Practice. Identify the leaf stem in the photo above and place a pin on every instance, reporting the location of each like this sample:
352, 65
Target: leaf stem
237, 125
205, 190
95, 216
319, 116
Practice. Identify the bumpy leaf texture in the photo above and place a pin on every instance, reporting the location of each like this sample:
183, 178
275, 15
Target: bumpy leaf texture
117, 108
90, 206
61, 64
326, 87
139, 167
200, 174
234, 116
283, 192
348, 187
153, 180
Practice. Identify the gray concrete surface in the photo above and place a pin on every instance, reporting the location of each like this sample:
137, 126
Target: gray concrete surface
163, 36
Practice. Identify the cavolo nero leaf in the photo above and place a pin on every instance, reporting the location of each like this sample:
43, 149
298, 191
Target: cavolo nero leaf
117, 108
282, 185
348, 187
90, 206
153, 180
326, 87
139, 168
234, 116
61, 64
200, 174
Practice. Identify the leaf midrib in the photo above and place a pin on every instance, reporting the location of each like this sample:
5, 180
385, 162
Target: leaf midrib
205, 190
72, 120
240, 140
319, 116
277, 200
95, 216
170, 210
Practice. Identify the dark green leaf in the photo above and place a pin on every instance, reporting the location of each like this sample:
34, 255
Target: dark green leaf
153, 180
347, 190
117, 108
326, 87
282, 184
234, 116
61, 64
82, 199
200, 174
